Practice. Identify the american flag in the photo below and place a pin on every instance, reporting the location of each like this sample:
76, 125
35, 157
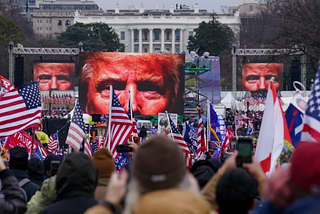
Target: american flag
20, 109
311, 120
77, 129
201, 138
177, 137
53, 142
121, 126
87, 149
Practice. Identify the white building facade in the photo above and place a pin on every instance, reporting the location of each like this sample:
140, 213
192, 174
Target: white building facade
155, 30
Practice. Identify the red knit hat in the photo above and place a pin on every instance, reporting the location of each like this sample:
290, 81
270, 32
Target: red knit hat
305, 170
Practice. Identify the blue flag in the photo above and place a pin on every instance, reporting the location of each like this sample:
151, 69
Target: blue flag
190, 135
294, 118
122, 160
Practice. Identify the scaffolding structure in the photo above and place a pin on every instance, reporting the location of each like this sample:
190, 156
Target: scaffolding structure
37, 51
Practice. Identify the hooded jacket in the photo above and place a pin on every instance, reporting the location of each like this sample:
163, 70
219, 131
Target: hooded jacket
43, 198
76, 181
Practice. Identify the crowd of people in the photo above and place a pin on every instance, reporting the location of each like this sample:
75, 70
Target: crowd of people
157, 181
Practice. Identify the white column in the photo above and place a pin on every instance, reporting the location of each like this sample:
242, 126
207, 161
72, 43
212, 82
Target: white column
162, 39
140, 40
132, 40
181, 40
151, 40
173, 39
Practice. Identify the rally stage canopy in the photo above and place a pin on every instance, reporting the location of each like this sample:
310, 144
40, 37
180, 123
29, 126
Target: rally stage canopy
229, 101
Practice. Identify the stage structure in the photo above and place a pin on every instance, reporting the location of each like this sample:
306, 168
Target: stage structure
272, 52
37, 51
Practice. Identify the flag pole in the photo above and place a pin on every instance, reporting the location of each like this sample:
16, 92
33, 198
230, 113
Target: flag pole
130, 103
208, 123
31, 149
109, 126
167, 115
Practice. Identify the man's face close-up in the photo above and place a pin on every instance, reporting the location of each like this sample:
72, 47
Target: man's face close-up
149, 90
55, 76
257, 77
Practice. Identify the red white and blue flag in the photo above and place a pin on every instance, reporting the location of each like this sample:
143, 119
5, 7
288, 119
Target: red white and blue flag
53, 142
202, 147
311, 120
77, 129
177, 137
121, 126
20, 109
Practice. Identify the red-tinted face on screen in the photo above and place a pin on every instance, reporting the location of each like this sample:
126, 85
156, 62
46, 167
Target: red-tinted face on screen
148, 80
56, 76
256, 76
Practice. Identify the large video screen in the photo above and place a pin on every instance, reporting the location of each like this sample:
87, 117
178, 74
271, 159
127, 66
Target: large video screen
55, 76
256, 76
155, 82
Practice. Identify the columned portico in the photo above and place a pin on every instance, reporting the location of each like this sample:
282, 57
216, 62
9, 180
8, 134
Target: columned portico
132, 40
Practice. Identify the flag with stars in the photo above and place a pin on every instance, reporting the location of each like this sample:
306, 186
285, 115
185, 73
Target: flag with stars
177, 137
311, 120
53, 142
20, 109
77, 129
121, 126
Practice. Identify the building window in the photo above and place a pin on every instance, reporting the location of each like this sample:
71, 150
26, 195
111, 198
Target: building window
177, 50
40, 28
59, 22
122, 35
145, 35
168, 35
37, 28
58, 14
136, 35
146, 50
190, 33
251, 8
68, 22
136, 50
49, 28
37, 21
156, 35
50, 21
178, 36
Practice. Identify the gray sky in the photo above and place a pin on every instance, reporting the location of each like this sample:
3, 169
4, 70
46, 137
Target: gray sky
152, 4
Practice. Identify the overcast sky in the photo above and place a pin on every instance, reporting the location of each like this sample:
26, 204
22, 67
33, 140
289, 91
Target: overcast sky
165, 4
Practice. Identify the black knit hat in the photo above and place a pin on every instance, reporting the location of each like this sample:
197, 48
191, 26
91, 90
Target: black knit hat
159, 164
18, 158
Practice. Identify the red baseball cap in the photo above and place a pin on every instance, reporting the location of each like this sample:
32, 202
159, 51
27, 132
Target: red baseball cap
305, 169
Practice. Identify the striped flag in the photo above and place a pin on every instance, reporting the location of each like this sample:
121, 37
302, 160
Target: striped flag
201, 137
177, 137
77, 129
20, 109
121, 126
53, 142
87, 149
311, 120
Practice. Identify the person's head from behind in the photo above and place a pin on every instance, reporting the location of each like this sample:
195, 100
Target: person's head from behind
235, 192
256, 76
104, 162
305, 171
77, 176
58, 76
18, 158
152, 79
36, 168
158, 165
47, 162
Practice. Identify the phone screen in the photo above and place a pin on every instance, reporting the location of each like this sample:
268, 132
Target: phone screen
54, 167
244, 147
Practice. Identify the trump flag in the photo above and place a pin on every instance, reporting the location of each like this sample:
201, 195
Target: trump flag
294, 117
273, 133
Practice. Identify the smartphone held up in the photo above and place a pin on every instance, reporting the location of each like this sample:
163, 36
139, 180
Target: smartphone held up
244, 147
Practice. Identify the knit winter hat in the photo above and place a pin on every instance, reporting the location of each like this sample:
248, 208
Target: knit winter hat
104, 162
18, 158
158, 164
304, 169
